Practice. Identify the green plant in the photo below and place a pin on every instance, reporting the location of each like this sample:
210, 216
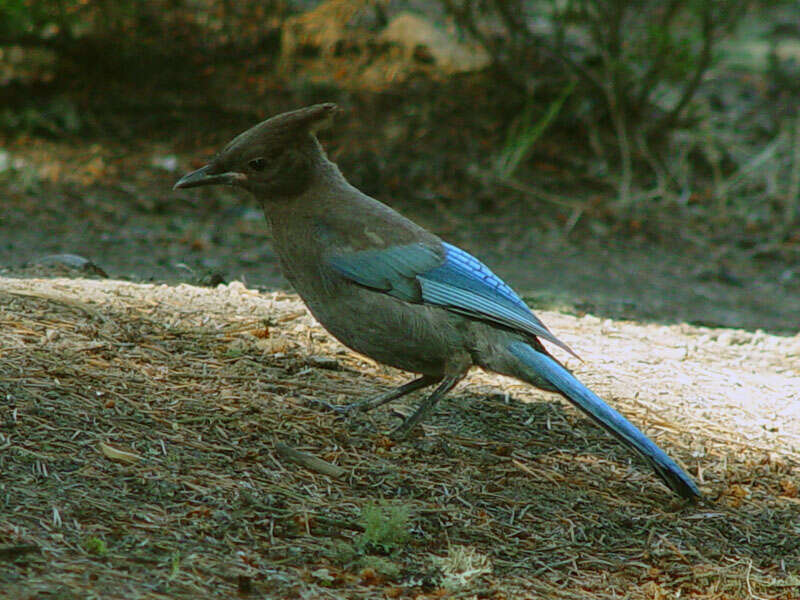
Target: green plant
524, 133
639, 64
386, 527
95, 546
175, 565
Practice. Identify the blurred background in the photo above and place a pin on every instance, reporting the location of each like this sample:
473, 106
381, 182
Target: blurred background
627, 159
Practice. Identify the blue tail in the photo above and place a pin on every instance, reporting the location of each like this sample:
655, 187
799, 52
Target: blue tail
543, 366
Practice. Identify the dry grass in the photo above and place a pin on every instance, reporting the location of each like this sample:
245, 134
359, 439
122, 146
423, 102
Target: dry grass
165, 442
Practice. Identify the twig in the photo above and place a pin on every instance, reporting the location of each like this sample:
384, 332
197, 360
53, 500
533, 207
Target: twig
532, 191
13, 552
618, 117
756, 162
793, 194
657, 66
309, 461
69, 302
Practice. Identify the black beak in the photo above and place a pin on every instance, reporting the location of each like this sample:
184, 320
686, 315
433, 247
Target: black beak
205, 176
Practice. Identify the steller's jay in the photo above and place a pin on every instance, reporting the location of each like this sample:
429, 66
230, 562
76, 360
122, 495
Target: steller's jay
391, 290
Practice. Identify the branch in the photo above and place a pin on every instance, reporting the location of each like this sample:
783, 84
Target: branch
703, 62
465, 21
514, 24
649, 77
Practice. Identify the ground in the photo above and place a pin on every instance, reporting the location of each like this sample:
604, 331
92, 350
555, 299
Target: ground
169, 441
164, 433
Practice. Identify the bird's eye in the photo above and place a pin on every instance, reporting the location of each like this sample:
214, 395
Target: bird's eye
257, 164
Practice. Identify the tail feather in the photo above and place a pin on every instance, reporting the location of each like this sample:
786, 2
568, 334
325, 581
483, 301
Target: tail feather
540, 366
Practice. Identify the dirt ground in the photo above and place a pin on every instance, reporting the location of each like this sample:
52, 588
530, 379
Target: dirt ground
113, 205
149, 450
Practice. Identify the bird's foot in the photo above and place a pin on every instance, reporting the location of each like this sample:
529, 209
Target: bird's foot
336, 408
403, 431
349, 410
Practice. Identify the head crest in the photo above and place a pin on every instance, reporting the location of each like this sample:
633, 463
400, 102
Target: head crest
281, 128
310, 118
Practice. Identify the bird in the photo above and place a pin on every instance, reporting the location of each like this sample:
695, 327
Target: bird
391, 290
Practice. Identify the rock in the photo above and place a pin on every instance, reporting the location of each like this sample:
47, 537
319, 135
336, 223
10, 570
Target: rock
342, 42
71, 262
420, 39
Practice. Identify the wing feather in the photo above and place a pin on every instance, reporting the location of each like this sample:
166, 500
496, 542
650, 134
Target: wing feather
446, 277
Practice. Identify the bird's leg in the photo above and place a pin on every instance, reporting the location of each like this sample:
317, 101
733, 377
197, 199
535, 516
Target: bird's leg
425, 407
388, 396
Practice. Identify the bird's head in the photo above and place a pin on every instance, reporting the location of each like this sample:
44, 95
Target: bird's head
273, 159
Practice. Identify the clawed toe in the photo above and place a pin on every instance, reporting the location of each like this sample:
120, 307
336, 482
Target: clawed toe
402, 432
341, 410
346, 410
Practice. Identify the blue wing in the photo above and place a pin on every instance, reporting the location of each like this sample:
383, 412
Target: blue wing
446, 277
391, 270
